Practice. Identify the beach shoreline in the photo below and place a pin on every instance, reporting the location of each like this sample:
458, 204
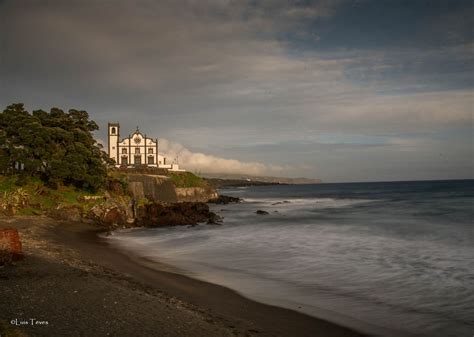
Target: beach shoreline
81, 284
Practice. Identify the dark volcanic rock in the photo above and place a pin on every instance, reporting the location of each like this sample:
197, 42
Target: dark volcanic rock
175, 214
260, 212
214, 219
224, 200
110, 213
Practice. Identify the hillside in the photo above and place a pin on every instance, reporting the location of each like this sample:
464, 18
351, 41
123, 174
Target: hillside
232, 180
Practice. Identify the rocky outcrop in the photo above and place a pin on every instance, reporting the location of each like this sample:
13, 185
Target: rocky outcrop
147, 201
176, 214
113, 212
224, 200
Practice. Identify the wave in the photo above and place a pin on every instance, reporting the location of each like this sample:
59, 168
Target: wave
302, 202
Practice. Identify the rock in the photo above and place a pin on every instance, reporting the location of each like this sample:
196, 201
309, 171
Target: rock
214, 219
10, 246
224, 200
114, 216
175, 214
66, 213
260, 212
110, 213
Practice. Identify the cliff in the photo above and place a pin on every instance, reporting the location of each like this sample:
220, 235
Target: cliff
128, 200
163, 189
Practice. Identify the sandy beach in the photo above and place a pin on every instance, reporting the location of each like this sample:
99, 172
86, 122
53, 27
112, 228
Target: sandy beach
71, 283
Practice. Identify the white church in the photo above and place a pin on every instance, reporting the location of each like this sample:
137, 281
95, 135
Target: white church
136, 150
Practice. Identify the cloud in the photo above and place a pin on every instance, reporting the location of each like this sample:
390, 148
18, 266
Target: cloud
205, 163
224, 77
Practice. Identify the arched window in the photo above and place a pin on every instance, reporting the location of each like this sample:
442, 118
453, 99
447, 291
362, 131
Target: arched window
150, 151
137, 150
124, 151
113, 131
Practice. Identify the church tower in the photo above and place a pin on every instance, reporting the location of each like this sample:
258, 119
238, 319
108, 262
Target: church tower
114, 135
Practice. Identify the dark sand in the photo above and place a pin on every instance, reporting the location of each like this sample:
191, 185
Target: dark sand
83, 287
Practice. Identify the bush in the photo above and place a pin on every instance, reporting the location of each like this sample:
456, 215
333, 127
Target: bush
13, 201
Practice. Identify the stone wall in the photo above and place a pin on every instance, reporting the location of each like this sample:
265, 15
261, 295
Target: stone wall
161, 188
196, 194
153, 187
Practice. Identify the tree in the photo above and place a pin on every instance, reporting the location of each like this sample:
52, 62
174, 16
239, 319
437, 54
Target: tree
58, 147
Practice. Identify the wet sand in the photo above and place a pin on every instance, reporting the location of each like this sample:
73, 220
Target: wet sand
83, 287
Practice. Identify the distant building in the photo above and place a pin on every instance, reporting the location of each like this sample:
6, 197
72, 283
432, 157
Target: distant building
136, 150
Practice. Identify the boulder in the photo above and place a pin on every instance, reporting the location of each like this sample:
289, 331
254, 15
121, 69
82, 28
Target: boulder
110, 213
224, 200
260, 212
10, 246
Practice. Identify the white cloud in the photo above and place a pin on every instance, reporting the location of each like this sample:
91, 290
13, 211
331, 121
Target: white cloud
205, 163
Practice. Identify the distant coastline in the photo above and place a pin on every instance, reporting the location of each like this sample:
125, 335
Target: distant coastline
242, 180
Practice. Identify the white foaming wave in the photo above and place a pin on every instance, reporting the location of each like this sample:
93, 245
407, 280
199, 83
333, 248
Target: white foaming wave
302, 202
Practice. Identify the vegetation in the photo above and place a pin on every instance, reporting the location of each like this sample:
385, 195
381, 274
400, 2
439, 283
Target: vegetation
187, 179
33, 197
56, 147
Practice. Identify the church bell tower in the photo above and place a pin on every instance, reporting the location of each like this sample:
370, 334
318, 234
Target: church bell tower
113, 136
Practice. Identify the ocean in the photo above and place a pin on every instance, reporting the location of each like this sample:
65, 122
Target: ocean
392, 259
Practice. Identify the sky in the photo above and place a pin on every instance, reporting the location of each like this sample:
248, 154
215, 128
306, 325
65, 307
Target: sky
338, 90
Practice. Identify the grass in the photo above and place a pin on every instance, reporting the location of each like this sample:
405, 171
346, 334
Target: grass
42, 198
187, 179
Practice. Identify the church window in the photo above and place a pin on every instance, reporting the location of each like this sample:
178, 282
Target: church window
137, 150
124, 151
113, 131
150, 150
138, 160
151, 160
124, 160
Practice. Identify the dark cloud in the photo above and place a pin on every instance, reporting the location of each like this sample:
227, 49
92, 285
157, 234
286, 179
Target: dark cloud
219, 76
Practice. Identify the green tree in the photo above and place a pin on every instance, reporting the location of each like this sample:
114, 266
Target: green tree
57, 146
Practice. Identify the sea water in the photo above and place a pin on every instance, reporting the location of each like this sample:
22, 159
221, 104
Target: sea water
394, 259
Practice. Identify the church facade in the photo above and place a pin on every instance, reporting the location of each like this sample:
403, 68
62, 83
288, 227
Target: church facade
136, 150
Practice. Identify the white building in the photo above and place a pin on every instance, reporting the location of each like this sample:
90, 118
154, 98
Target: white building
136, 150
